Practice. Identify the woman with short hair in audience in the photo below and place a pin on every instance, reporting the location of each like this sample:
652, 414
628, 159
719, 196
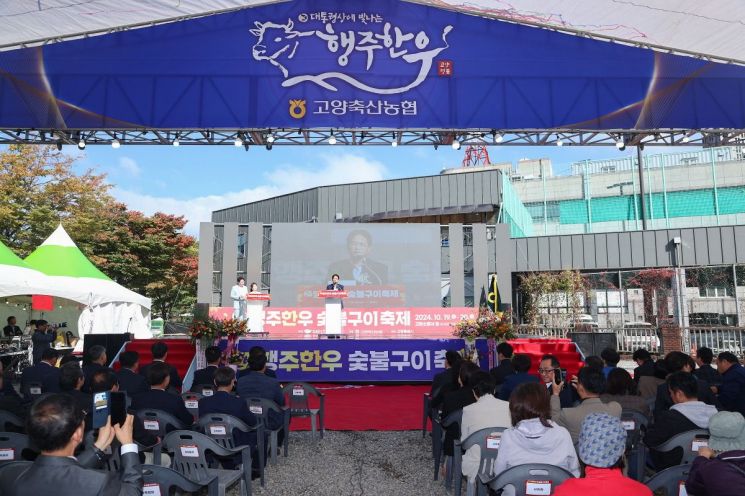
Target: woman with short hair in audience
602, 443
621, 389
719, 468
456, 400
533, 437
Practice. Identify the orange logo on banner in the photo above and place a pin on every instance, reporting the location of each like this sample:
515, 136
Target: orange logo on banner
297, 109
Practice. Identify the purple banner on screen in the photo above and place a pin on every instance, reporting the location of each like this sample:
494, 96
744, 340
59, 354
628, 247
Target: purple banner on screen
360, 360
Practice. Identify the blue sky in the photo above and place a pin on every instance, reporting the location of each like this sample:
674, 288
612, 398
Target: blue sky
195, 180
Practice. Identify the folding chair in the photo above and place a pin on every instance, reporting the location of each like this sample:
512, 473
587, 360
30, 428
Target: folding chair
635, 424
10, 423
262, 407
167, 480
221, 427
159, 423
189, 450
191, 402
14, 447
453, 419
671, 479
296, 397
531, 478
12, 470
488, 440
426, 407
689, 442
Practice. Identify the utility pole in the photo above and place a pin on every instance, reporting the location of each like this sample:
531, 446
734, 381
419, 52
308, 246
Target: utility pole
640, 161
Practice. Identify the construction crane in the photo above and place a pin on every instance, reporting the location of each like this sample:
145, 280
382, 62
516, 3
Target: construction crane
476, 156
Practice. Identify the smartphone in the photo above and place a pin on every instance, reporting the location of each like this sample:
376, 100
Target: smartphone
558, 376
109, 403
100, 409
118, 408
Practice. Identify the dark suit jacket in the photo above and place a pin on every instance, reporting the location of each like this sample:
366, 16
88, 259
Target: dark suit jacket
439, 381
708, 374
43, 373
222, 402
175, 379
732, 389
512, 381
204, 376
663, 401
375, 273
8, 389
131, 382
62, 476
244, 372
160, 400
502, 371
646, 368
568, 396
12, 404
11, 331
88, 371
258, 385
453, 401
330, 287
85, 402
42, 341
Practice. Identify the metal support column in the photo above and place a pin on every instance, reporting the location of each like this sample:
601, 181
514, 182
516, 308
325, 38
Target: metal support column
734, 288
640, 163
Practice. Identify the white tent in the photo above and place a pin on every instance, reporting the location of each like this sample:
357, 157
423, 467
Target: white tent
16, 277
110, 307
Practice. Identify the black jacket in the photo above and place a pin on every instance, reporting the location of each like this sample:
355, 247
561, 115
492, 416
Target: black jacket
88, 371
204, 376
41, 373
62, 476
708, 374
666, 425
732, 389
131, 382
453, 401
167, 402
646, 368
502, 371
439, 380
175, 379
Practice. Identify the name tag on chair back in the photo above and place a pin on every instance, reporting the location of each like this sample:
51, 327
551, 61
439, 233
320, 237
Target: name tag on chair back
152, 489
218, 430
699, 442
7, 454
493, 440
298, 391
538, 487
151, 425
189, 451
256, 409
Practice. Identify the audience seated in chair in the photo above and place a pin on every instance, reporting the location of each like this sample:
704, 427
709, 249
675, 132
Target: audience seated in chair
71, 382
159, 350
590, 384
443, 379
533, 437
602, 443
159, 376
43, 372
504, 367
55, 426
547, 368
130, 381
719, 470
620, 387
731, 392
488, 411
253, 352
97, 360
205, 376
705, 372
677, 361
521, 365
457, 400
223, 401
259, 385
645, 364
686, 414
610, 360
106, 380
10, 402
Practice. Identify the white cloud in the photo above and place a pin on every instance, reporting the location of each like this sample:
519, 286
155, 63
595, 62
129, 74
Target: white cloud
334, 169
130, 166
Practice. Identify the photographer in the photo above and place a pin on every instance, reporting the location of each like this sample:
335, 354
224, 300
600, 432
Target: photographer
42, 338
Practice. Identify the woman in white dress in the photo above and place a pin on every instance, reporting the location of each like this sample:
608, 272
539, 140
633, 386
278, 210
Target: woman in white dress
238, 295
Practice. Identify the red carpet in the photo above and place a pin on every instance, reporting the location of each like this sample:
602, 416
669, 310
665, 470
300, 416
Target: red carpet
369, 408
563, 349
180, 352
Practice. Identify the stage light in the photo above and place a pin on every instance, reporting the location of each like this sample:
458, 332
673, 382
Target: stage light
499, 138
620, 144
238, 142
332, 140
270, 138
269, 146
81, 144
59, 146
686, 139
456, 145
394, 143
436, 145
176, 142
559, 142
115, 144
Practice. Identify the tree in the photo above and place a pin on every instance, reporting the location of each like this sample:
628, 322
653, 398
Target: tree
39, 189
148, 254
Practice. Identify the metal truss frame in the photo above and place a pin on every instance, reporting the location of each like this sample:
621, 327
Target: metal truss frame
456, 138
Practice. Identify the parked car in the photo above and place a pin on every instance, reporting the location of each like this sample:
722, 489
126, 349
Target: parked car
638, 334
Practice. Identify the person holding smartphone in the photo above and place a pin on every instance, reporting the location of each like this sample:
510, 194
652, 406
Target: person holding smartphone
551, 373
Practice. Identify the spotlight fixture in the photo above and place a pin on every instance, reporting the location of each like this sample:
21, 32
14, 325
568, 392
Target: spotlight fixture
394, 143
269, 146
270, 137
456, 145
115, 144
436, 145
238, 142
498, 138
559, 142
620, 144
176, 142
81, 144
686, 139
332, 140
59, 146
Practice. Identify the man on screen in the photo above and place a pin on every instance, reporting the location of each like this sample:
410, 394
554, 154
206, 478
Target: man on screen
359, 268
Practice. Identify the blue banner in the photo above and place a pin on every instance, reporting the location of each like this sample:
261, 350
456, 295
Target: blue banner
362, 360
358, 64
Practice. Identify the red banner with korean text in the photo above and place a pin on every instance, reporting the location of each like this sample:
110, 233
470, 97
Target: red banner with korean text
362, 323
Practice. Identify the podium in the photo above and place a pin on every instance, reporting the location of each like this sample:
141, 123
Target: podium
255, 303
333, 310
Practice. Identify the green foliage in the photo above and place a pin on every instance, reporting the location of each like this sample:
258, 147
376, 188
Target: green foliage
148, 254
537, 285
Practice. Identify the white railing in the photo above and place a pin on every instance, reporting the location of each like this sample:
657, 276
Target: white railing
542, 332
628, 340
718, 339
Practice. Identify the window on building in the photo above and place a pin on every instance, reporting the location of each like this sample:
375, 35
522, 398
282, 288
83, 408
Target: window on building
714, 291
